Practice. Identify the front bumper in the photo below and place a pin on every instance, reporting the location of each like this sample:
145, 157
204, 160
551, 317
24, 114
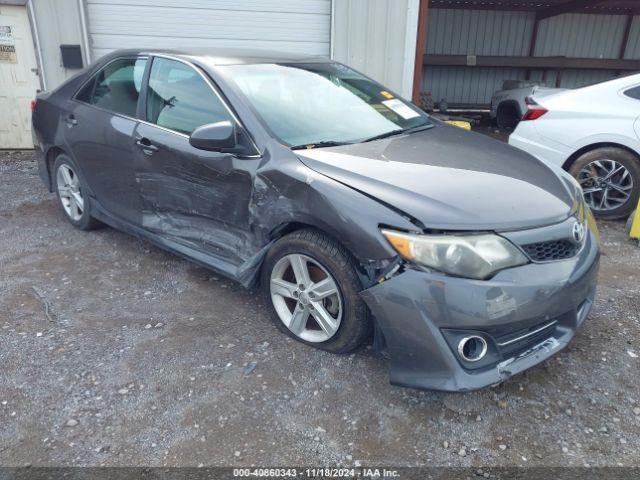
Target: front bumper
415, 309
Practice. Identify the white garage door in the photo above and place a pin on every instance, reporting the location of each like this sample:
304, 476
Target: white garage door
300, 26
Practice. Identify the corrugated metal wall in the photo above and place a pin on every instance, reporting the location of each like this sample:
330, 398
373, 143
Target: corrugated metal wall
482, 32
377, 37
478, 32
474, 32
633, 45
580, 35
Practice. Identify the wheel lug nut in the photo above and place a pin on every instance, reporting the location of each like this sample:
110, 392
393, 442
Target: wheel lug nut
301, 287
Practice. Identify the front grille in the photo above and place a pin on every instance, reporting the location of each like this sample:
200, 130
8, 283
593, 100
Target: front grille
551, 250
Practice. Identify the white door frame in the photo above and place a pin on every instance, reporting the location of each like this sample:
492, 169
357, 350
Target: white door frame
88, 54
36, 44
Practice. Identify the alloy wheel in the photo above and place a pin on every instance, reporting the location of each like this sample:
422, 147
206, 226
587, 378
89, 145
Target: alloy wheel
306, 298
69, 192
606, 184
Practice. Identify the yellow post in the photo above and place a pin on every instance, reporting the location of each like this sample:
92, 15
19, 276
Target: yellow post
635, 225
460, 123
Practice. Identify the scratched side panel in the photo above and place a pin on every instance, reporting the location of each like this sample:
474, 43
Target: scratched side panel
197, 198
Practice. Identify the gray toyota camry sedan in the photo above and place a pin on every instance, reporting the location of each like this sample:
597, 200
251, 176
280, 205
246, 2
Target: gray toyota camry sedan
359, 216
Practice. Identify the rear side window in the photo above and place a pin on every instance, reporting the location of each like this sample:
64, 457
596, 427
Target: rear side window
116, 87
633, 93
86, 92
179, 99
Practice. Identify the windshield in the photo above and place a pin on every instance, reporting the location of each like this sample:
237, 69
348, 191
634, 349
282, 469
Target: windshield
315, 103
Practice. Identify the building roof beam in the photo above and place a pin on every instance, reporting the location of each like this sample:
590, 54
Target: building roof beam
567, 7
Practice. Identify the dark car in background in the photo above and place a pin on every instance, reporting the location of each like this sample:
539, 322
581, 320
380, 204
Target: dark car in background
358, 215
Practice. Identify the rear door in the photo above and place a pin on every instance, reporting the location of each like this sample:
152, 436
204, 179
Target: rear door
195, 197
101, 120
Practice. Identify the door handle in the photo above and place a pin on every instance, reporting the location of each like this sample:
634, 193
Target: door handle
146, 146
71, 120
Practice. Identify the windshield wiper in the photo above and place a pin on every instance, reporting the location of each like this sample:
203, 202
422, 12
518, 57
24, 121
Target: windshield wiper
334, 143
398, 131
323, 143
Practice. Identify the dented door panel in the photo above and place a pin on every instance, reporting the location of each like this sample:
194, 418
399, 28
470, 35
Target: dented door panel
194, 197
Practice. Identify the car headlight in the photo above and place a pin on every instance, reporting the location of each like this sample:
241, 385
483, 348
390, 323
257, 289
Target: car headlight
470, 256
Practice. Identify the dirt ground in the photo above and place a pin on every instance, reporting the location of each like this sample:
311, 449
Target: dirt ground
114, 352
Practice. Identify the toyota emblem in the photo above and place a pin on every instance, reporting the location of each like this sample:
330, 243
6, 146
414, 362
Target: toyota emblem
578, 232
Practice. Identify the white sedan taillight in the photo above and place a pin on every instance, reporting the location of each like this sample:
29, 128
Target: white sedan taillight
534, 110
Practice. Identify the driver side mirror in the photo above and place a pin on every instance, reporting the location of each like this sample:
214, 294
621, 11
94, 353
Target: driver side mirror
215, 137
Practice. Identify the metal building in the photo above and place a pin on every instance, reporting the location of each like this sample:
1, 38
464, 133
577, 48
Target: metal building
472, 46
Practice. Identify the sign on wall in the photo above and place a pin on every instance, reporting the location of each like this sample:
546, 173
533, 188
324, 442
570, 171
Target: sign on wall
7, 45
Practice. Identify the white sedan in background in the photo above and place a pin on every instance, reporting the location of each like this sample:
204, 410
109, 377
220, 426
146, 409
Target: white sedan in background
594, 133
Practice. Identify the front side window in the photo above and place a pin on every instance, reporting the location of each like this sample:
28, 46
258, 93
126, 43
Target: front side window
116, 87
304, 104
179, 99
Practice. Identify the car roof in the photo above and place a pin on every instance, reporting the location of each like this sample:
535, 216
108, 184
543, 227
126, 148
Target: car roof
226, 56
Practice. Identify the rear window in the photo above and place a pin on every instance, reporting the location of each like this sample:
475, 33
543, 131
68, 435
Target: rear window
116, 87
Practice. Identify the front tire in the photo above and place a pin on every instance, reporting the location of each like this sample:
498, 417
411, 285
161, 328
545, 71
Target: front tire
610, 180
311, 287
72, 194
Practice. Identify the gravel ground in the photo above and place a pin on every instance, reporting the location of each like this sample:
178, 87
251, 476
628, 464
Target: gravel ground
114, 352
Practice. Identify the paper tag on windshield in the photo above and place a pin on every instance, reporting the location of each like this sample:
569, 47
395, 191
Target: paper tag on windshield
400, 108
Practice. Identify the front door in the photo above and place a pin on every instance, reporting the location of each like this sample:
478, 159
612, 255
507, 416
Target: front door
197, 198
19, 81
100, 123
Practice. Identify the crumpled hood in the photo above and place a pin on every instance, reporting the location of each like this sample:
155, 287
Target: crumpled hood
450, 179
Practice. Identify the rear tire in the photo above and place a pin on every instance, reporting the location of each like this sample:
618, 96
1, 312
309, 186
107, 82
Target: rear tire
507, 116
591, 170
350, 323
71, 190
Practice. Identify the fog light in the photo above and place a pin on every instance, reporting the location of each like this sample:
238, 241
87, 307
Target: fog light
472, 348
